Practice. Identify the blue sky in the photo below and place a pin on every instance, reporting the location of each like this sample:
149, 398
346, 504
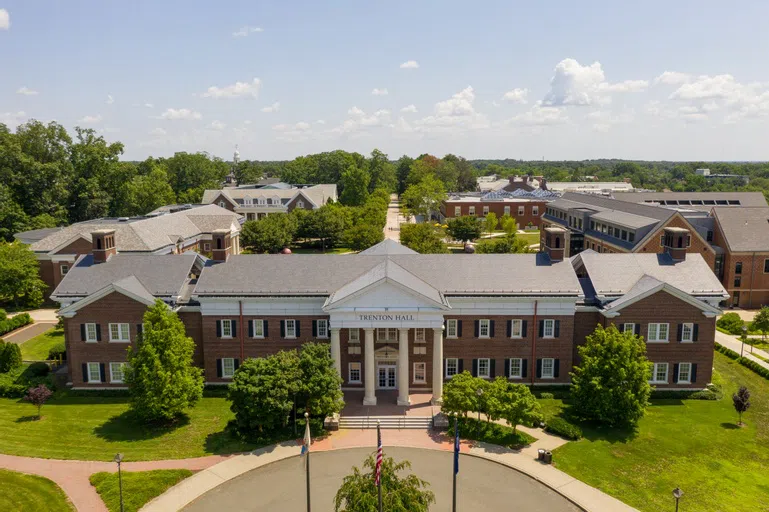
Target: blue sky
683, 80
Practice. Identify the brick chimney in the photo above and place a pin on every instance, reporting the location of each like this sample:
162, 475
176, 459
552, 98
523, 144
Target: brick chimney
103, 245
542, 183
555, 239
221, 244
675, 242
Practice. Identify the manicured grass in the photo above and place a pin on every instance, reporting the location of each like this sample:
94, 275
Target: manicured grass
758, 343
94, 428
138, 487
692, 444
37, 348
531, 238
30, 493
471, 428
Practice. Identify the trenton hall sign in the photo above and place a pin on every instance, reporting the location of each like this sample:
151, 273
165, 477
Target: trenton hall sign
386, 318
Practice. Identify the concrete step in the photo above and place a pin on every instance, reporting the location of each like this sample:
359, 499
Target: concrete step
388, 422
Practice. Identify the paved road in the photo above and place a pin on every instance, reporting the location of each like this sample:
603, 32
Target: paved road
28, 332
733, 343
482, 484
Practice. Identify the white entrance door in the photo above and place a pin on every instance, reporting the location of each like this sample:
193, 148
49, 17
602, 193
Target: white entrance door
387, 378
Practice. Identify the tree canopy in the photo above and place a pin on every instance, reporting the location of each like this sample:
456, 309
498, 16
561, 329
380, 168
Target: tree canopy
424, 238
20, 283
464, 228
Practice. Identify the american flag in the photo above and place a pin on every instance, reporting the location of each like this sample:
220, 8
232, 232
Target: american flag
379, 455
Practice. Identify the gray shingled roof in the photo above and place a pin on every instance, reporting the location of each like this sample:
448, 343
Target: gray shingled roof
625, 219
161, 275
456, 274
319, 194
388, 246
146, 234
606, 203
745, 229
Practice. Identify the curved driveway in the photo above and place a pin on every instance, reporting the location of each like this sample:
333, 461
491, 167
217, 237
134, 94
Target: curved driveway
481, 484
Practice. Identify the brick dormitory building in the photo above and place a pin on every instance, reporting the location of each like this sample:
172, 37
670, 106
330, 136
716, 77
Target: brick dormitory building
395, 319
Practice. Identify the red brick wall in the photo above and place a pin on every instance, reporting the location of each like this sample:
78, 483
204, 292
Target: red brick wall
584, 325
193, 324
754, 285
697, 245
497, 207
227, 203
292, 204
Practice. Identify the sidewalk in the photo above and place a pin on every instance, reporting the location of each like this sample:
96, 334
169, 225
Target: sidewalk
28, 332
394, 219
41, 315
734, 343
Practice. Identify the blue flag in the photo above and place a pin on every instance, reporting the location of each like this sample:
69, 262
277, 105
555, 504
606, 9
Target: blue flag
456, 447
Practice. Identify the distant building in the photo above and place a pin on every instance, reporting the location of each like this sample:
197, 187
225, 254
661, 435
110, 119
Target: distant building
530, 183
526, 207
259, 200
707, 174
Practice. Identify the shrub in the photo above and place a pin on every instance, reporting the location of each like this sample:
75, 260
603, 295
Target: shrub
10, 357
38, 369
747, 363
58, 351
37, 396
731, 323
12, 390
563, 428
546, 396
10, 324
706, 394
3, 315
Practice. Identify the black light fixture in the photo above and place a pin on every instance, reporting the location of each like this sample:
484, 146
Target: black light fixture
119, 458
677, 493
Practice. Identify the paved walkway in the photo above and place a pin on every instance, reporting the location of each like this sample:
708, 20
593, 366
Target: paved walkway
734, 343
41, 315
394, 219
28, 332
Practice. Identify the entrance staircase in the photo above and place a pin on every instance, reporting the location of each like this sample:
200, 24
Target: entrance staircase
389, 422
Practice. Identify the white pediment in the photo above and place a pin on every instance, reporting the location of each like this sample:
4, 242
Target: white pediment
385, 295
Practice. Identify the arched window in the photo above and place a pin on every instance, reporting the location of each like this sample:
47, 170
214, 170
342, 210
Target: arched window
98, 243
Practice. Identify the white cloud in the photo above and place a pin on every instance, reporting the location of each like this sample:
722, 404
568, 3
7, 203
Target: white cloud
574, 84
158, 132
672, 78
359, 120
603, 120
110, 99
516, 96
26, 91
320, 121
149, 105
410, 64
410, 108
5, 20
540, 116
272, 108
723, 87
236, 90
627, 86
379, 92
90, 119
244, 31
180, 114
12, 119
217, 125
355, 111
298, 132
300, 126
460, 104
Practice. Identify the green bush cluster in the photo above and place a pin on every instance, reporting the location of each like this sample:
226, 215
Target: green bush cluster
731, 323
10, 356
9, 324
747, 363
58, 351
685, 394
546, 396
559, 426
39, 369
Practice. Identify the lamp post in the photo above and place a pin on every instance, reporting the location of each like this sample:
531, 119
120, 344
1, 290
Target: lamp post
677, 493
743, 338
119, 458
479, 392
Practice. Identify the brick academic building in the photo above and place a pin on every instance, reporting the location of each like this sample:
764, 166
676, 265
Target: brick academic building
395, 319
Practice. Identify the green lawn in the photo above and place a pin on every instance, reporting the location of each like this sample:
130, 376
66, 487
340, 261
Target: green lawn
692, 444
471, 428
30, 493
93, 428
37, 348
531, 238
138, 487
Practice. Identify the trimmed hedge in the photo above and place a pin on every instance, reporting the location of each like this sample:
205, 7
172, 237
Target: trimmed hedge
684, 395
10, 324
747, 363
57, 351
10, 356
563, 428
39, 369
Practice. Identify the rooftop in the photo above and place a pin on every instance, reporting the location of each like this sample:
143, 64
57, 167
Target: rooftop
745, 229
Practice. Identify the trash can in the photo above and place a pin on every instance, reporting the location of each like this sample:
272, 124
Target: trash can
548, 457
541, 454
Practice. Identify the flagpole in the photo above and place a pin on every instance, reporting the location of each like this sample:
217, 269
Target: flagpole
456, 463
307, 426
379, 480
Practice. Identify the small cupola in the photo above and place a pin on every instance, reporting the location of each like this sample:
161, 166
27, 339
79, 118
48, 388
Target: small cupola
676, 241
221, 244
103, 248
555, 239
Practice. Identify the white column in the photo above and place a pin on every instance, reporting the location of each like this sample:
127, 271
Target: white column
437, 365
403, 367
369, 396
336, 351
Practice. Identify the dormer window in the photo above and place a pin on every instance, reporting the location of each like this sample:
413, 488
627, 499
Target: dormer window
262, 201
300, 204
248, 201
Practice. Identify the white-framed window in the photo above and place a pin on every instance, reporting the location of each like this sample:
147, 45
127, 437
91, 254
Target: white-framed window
659, 373
119, 333
387, 334
322, 328
520, 211
206, 246
94, 372
457, 211
248, 201
484, 328
420, 351
451, 328
291, 328
548, 329
516, 368
116, 372
516, 328
261, 201
687, 333
258, 328
548, 368
228, 367
507, 210
628, 327
471, 210
452, 367
485, 210
353, 373
300, 204
535, 210
226, 328
658, 333
484, 367
90, 333
64, 269
420, 373
419, 335
353, 335
684, 373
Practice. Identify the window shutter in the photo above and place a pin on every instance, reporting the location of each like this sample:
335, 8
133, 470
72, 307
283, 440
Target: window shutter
85, 372
492, 367
282, 328
492, 331
541, 328
461, 366
102, 373
265, 323
237, 363
509, 328
675, 373
314, 328
444, 368
539, 368
693, 377
637, 329
524, 368
624, 329
523, 328
250, 328
557, 328
477, 328
297, 325
507, 368
218, 328
475, 367
234, 325
680, 331
98, 332
459, 328
219, 368
82, 332
695, 332
556, 368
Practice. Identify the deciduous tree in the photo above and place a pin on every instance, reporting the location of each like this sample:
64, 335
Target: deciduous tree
424, 197
362, 236
761, 321
423, 238
511, 402
38, 396
320, 387
355, 184
508, 244
459, 394
465, 228
741, 401
20, 282
269, 234
490, 222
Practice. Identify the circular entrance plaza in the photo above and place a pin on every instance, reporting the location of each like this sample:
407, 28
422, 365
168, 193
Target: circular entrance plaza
481, 484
